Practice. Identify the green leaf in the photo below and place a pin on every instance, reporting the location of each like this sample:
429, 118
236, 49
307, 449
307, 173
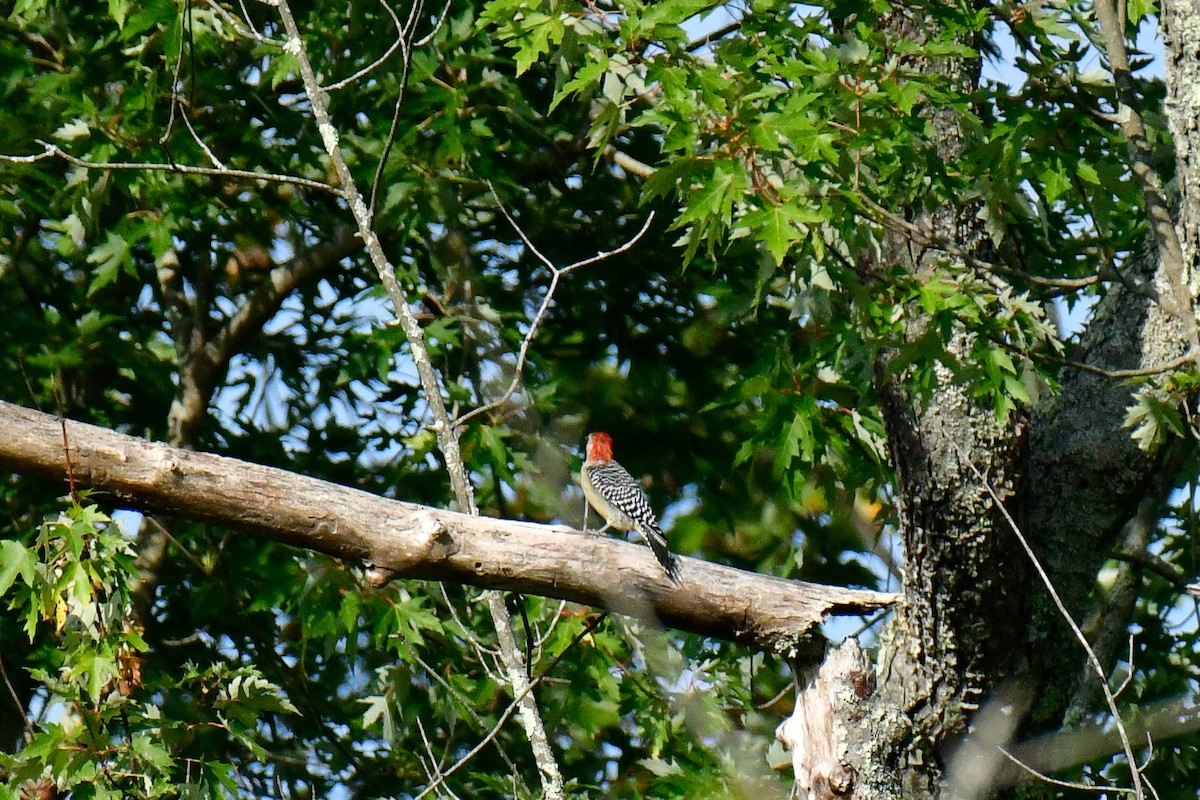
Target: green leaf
660, 768
674, 12
491, 440
534, 32
1016, 388
248, 694
1138, 10
797, 444
379, 708
444, 332
1153, 419
110, 257
667, 178
781, 226
15, 560
1087, 173
1055, 183
147, 749
96, 669
589, 74
716, 197
117, 9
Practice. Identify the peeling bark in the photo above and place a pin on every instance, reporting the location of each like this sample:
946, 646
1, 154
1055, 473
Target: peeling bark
829, 697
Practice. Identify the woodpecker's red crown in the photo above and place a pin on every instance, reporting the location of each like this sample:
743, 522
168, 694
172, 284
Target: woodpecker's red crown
599, 447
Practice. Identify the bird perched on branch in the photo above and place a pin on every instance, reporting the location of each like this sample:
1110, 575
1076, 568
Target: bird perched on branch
614, 493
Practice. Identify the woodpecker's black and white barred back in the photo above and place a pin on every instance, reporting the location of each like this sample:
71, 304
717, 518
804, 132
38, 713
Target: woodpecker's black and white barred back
619, 498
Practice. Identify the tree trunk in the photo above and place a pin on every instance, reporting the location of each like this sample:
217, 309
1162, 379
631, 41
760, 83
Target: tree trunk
950, 643
976, 655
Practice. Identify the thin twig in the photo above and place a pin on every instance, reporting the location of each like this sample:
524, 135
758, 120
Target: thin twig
396, 45
1164, 569
1142, 372
433, 767
480, 649
184, 169
464, 702
562, 605
1129, 673
784, 692
992, 272
1066, 615
243, 29
404, 34
1146, 763
556, 275
62, 423
199, 565
508, 711
29, 731
185, 25
427, 38
1057, 782
869, 622
447, 433
712, 36
216, 162
917, 235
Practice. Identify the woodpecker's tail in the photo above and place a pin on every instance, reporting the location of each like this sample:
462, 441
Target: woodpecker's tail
658, 544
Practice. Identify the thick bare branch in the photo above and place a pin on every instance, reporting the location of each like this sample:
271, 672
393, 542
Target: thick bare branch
205, 362
1162, 223
1071, 747
407, 540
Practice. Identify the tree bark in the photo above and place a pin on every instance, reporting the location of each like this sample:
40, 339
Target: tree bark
1086, 478
969, 640
965, 580
1181, 34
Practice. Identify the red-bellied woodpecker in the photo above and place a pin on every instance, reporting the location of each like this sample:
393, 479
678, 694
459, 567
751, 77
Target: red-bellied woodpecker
619, 498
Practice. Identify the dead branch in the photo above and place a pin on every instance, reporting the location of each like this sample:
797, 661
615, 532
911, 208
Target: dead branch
407, 540
811, 733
